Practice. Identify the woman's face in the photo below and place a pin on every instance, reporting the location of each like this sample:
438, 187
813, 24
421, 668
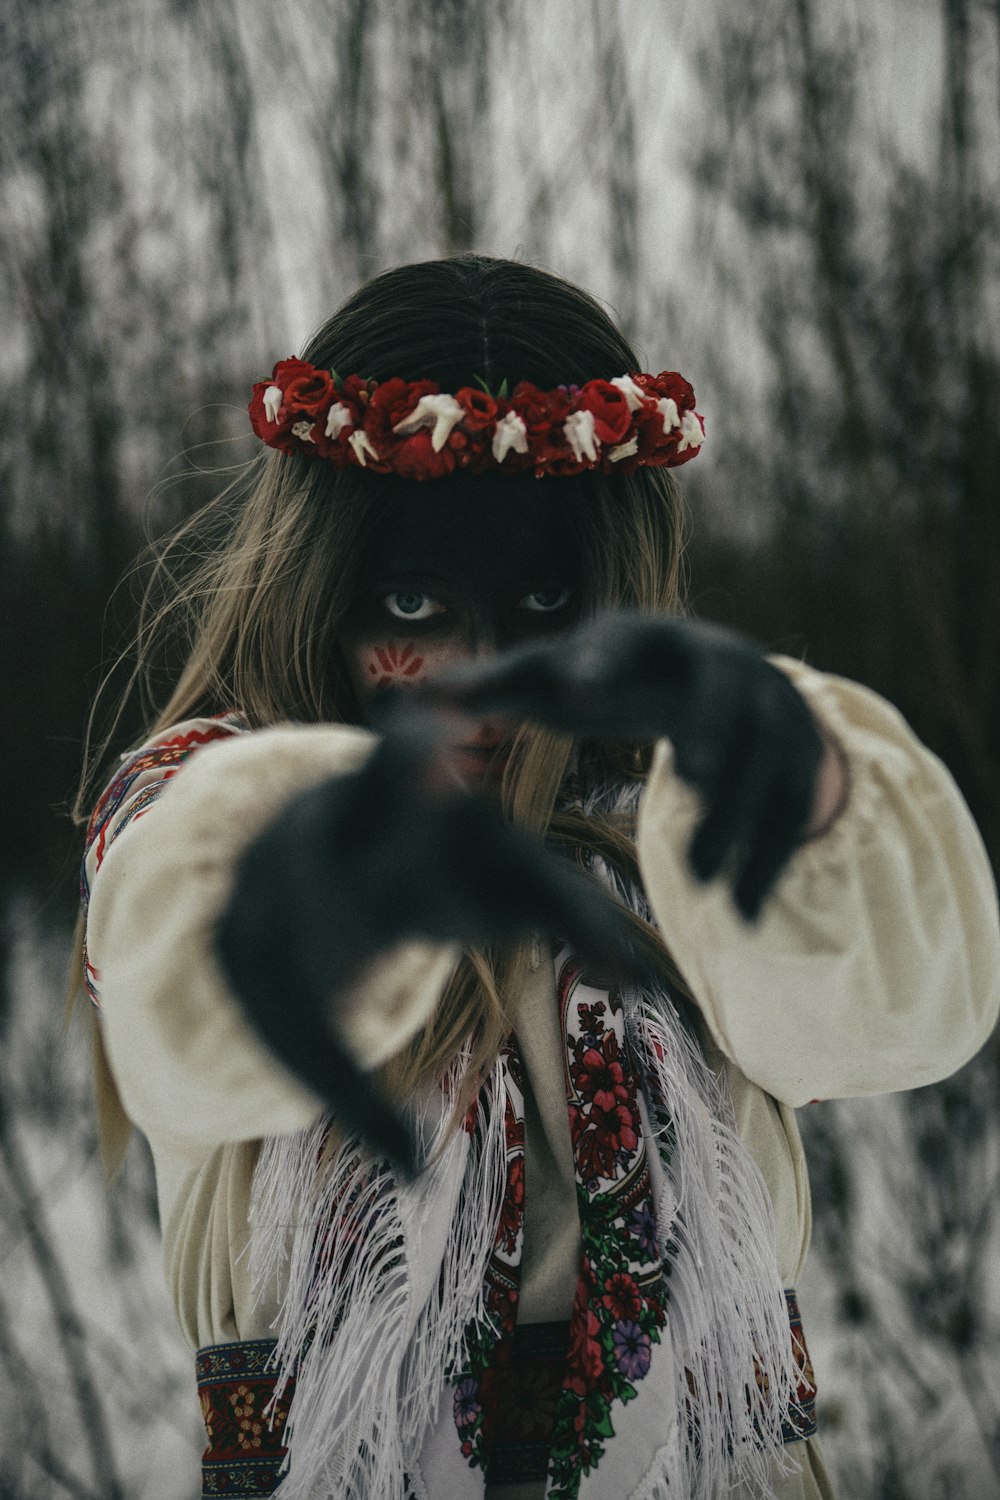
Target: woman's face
457, 572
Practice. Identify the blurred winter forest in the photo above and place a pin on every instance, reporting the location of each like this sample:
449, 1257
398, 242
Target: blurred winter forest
796, 203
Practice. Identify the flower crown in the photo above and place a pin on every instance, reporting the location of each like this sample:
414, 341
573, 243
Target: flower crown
414, 429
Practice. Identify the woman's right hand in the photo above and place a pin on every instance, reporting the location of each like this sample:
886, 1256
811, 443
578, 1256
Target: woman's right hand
396, 851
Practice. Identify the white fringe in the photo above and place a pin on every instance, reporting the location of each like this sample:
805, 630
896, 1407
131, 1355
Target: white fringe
379, 1280
716, 1232
375, 1366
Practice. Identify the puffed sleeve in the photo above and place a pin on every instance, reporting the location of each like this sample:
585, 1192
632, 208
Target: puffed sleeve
157, 874
875, 965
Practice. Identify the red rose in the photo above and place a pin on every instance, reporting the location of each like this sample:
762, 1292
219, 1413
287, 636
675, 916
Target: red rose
610, 410
669, 384
472, 439
391, 403
654, 445
682, 455
275, 434
543, 414
284, 373
658, 448
352, 395
479, 406
308, 393
264, 424
540, 411
414, 457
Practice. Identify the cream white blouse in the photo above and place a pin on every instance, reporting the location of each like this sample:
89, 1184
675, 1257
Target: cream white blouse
875, 967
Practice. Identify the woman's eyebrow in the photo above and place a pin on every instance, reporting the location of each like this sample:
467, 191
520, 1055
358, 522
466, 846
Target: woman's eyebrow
446, 565
389, 575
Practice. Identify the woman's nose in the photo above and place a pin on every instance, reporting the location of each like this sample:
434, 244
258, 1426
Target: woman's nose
479, 639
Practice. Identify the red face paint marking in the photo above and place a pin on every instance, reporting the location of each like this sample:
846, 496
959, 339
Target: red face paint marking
394, 664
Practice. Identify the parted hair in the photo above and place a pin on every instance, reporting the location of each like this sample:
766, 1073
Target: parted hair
246, 596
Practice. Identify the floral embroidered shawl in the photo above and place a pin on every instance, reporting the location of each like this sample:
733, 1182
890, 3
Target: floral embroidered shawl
400, 1300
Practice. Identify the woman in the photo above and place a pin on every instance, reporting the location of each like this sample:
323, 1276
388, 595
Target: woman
499, 1145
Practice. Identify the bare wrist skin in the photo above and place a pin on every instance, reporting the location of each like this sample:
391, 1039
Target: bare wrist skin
833, 786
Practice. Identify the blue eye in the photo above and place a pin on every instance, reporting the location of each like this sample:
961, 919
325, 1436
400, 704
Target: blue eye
407, 604
546, 601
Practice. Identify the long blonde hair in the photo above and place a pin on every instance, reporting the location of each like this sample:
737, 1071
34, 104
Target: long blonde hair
244, 599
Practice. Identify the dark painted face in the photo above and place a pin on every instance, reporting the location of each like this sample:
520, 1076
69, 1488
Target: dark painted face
455, 573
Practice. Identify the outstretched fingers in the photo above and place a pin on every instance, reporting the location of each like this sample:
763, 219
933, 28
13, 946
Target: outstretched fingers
574, 907
521, 683
758, 803
779, 828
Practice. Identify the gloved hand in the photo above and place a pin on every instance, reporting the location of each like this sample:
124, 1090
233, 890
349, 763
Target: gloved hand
397, 850
742, 735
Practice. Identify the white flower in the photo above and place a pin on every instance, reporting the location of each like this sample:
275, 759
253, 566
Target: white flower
304, 430
579, 430
510, 433
691, 433
624, 450
359, 442
667, 407
440, 412
633, 395
272, 402
337, 418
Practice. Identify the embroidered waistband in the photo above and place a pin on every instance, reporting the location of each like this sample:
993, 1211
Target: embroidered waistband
235, 1386
525, 1403
244, 1453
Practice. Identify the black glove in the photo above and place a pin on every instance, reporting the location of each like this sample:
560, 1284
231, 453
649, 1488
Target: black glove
394, 851
741, 733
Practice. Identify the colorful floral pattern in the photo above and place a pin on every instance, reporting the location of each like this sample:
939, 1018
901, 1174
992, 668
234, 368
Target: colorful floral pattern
244, 1424
618, 1313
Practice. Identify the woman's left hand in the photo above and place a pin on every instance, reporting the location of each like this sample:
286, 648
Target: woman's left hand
742, 734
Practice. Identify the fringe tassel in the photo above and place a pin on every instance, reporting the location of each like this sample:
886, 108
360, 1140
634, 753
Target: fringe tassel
380, 1280
727, 1319
438, 1345
370, 1323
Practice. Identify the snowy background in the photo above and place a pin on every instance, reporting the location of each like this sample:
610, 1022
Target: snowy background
796, 203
